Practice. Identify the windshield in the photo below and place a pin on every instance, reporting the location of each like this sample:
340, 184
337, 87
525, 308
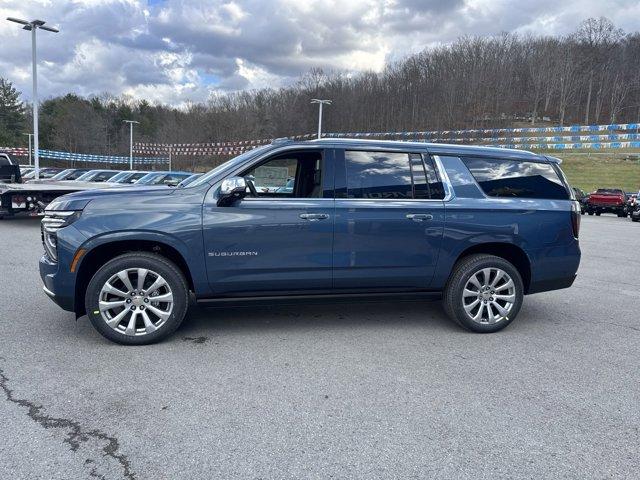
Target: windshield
63, 174
120, 177
69, 174
127, 177
150, 178
228, 165
97, 175
87, 176
189, 180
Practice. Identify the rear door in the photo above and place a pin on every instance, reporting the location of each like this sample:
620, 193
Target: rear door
389, 220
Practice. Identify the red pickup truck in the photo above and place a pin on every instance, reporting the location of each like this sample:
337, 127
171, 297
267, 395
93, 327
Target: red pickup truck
607, 200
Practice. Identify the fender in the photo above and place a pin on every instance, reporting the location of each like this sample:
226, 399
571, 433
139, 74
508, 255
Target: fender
193, 257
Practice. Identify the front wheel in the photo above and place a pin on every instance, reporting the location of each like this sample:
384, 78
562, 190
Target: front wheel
484, 293
137, 298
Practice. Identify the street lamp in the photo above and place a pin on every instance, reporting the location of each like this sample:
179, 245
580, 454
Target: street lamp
32, 26
130, 122
29, 135
320, 104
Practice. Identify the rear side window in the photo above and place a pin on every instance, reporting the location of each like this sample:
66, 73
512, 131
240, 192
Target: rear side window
378, 175
391, 175
510, 178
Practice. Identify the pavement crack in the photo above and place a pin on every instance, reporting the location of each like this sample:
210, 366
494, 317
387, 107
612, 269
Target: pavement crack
76, 434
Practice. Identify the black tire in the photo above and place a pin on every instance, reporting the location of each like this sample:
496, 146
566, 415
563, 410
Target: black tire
155, 263
463, 270
598, 214
635, 219
590, 213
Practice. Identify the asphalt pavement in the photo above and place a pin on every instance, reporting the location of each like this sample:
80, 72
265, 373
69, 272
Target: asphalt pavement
355, 390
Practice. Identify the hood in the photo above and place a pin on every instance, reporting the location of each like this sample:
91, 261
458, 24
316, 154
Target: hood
79, 200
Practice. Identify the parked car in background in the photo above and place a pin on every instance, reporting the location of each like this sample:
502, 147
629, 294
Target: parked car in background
9, 171
67, 174
607, 200
31, 198
45, 172
479, 226
96, 176
581, 197
171, 179
127, 177
634, 207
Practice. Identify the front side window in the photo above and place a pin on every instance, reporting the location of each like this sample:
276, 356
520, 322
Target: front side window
289, 175
515, 178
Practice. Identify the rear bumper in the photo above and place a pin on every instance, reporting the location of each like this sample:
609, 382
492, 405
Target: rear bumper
551, 284
605, 208
553, 268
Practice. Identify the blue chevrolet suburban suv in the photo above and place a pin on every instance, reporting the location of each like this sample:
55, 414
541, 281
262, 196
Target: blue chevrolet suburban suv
481, 227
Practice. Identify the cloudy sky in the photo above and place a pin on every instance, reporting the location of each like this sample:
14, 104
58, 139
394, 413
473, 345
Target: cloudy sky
177, 51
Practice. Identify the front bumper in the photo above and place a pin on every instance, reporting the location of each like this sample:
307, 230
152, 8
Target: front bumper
54, 285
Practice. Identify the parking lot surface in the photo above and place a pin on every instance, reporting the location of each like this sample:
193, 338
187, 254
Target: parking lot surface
355, 390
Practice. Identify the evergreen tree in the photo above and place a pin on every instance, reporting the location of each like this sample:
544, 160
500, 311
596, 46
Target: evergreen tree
12, 114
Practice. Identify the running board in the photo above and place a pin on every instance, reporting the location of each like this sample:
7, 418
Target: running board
293, 299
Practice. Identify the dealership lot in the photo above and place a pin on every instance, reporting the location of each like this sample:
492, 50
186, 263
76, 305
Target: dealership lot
369, 390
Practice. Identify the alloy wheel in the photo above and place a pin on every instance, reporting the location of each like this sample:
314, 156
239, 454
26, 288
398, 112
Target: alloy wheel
489, 296
135, 301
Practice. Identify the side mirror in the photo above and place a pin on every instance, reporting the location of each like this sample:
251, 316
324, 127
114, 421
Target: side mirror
232, 188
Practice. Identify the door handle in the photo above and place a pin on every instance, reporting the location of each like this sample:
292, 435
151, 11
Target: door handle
314, 216
419, 217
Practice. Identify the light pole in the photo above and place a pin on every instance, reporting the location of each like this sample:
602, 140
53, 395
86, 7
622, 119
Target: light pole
130, 122
320, 104
29, 135
32, 26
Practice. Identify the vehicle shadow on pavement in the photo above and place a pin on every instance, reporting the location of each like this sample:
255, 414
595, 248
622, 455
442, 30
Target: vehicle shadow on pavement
202, 320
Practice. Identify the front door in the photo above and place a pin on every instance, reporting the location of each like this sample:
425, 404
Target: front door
280, 240
389, 220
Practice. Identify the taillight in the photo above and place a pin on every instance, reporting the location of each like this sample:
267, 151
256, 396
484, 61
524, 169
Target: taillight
575, 218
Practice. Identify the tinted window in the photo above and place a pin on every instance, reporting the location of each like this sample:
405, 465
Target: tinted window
436, 190
378, 175
104, 176
509, 178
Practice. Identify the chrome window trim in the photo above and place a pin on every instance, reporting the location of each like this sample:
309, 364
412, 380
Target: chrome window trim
440, 170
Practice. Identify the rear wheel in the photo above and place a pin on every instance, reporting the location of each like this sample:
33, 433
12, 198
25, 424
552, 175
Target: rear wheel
597, 214
137, 299
484, 293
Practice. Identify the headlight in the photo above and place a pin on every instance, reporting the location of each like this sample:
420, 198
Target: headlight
53, 221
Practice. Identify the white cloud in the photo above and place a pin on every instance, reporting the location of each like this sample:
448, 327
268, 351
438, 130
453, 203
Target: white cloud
180, 51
